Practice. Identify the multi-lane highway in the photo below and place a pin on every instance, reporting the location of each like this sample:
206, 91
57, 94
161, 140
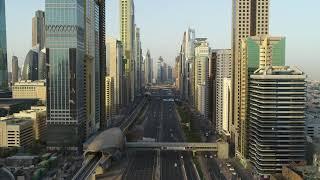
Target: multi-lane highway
162, 125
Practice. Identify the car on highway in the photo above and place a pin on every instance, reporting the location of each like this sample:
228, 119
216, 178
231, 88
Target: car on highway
175, 165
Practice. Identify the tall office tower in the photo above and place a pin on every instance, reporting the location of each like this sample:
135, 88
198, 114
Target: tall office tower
164, 72
201, 69
15, 69
109, 99
66, 109
127, 36
277, 118
249, 18
258, 51
226, 106
42, 69
187, 52
170, 74
142, 74
178, 72
148, 68
102, 58
92, 67
30, 66
212, 88
3, 48
38, 42
223, 70
138, 60
160, 70
38, 29
115, 54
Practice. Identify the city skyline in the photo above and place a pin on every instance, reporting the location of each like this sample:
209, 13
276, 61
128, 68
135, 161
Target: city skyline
138, 89
298, 47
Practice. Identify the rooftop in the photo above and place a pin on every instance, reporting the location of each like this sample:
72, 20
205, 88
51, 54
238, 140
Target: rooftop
29, 82
9, 120
283, 72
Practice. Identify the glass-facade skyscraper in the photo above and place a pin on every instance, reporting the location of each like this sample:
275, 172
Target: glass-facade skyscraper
65, 43
30, 67
3, 48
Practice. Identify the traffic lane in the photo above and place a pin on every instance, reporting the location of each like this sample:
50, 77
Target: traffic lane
170, 166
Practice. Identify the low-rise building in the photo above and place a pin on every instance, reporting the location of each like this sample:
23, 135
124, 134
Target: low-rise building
312, 126
30, 89
298, 172
16, 132
38, 116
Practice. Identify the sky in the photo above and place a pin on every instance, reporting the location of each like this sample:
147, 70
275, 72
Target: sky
163, 22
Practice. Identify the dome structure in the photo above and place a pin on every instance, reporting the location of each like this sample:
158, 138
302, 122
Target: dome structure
109, 139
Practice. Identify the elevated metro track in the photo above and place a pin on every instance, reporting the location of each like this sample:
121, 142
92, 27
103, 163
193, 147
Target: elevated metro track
89, 166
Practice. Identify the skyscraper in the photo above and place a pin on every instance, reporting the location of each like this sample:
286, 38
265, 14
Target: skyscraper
170, 74
178, 72
201, 73
102, 58
30, 66
138, 60
249, 18
92, 67
38, 42
66, 110
38, 29
160, 70
15, 69
277, 118
256, 52
127, 36
223, 70
109, 99
187, 63
148, 68
116, 71
3, 48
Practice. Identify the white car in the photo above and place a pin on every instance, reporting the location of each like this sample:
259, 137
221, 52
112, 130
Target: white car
175, 165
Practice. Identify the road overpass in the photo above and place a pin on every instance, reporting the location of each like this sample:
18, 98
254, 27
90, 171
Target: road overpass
172, 146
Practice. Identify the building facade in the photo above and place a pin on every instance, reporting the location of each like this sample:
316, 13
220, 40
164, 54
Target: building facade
276, 118
201, 76
92, 68
138, 61
127, 37
15, 70
148, 68
30, 66
249, 18
110, 107
16, 132
116, 71
3, 48
223, 71
66, 97
38, 29
30, 90
38, 115
256, 52
226, 106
